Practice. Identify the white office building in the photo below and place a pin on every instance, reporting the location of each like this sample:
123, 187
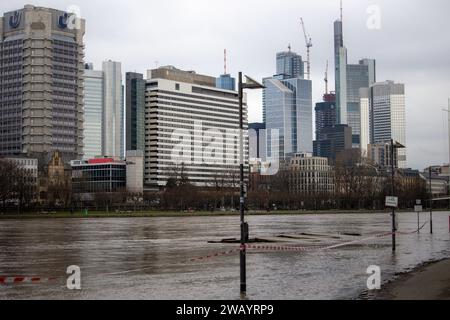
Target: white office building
364, 94
113, 113
387, 115
135, 171
191, 130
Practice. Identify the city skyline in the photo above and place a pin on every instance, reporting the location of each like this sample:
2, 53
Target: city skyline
421, 65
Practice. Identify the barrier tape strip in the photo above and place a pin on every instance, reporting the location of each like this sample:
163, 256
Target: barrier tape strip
313, 248
219, 254
21, 280
415, 231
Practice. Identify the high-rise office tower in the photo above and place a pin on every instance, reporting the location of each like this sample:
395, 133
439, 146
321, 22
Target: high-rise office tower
191, 130
326, 115
122, 126
290, 65
287, 108
340, 62
113, 118
226, 82
135, 111
287, 105
257, 141
364, 103
387, 115
93, 110
332, 141
349, 78
41, 83
359, 76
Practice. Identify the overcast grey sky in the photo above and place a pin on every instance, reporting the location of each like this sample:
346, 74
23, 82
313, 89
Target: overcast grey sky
412, 46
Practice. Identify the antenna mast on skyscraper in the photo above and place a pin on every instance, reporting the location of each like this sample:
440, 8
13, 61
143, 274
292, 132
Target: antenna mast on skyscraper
225, 61
308, 50
326, 79
342, 16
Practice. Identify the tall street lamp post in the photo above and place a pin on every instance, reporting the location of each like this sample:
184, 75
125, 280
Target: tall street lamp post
249, 84
394, 145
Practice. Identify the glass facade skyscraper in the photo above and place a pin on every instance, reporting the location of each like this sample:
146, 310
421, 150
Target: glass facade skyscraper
290, 65
93, 109
113, 118
359, 76
326, 116
349, 78
333, 141
135, 111
287, 106
340, 62
226, 82
387, 115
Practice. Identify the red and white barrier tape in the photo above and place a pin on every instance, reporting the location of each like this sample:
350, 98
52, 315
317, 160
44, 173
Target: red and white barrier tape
282, 248
312, 248
414, 231
20, 280
219, 254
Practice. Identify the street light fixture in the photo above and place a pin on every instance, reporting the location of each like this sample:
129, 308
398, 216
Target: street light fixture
249, 84
394, 145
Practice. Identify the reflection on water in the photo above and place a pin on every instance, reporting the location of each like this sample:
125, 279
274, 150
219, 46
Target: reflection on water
148, 258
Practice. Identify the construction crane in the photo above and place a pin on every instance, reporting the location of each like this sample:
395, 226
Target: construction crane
326, 79
309, 45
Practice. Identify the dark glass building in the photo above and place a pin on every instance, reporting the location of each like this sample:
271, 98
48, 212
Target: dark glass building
135, 111
326, 116
332, 141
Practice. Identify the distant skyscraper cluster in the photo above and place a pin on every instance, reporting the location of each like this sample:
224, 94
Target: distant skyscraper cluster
51, 100
374, 112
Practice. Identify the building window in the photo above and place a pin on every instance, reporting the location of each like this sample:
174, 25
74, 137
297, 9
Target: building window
177, 86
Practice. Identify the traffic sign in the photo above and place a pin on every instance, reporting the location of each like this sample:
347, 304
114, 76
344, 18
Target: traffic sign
392, 202
418, 208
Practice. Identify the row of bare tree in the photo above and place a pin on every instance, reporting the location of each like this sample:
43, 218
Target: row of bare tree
18, 187
356, 187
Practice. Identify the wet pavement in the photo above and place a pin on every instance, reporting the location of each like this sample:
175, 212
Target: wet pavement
149, 258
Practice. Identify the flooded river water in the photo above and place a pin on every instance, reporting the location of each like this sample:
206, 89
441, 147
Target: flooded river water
148, 258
